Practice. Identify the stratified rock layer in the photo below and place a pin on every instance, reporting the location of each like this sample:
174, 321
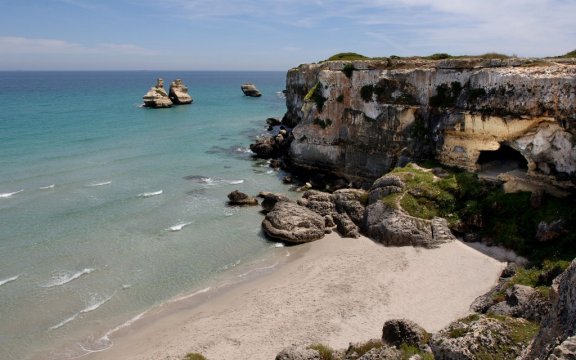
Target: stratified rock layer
362, 118
179, 93
157, 97
250, 89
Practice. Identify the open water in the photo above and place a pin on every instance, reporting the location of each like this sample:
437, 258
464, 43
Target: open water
108, 209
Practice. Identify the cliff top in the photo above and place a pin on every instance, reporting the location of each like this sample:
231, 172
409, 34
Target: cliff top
537, 67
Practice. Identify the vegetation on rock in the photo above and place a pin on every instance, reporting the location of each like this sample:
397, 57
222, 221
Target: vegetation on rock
326, 352
446, 95
194, 356
571, 54
348, 69
347, 56
315, 94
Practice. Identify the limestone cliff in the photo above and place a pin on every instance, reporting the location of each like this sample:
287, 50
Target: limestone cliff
358, 119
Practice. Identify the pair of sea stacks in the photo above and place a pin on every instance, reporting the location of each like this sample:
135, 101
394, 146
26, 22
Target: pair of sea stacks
157, 97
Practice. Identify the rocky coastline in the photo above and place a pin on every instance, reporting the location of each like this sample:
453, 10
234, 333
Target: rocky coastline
355, 130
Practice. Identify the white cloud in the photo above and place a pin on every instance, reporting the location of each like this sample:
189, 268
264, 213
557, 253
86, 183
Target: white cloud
11, 45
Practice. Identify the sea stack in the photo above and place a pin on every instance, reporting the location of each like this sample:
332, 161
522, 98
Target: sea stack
179, 93
250, 90
157, 97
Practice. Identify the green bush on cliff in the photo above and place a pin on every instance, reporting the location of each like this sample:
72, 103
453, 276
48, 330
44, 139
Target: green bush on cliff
571, 54
315, 94
348, 69
348, 56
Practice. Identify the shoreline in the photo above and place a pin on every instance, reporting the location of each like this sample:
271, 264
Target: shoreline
334, 291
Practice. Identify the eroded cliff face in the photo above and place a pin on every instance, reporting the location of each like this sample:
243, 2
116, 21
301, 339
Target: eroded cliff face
359, 119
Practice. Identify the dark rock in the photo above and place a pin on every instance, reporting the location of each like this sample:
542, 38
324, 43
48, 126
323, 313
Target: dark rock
239, 198
264, 147
270, 199
346, 226
275, 164
536, 198
350, 202
287, 179
298, 353
510, 270
329, 221
391, 227
250, 90
293, 223
551, 231
402, 331
472, 237
273, 121
320, 202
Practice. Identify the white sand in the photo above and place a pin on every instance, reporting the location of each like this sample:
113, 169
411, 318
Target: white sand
339, 291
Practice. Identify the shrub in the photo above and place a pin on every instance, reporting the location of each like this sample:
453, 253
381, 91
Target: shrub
315, 94
347, 56
494, 55
571, 54
326, 352
194, 356
438, 56
340, 98
408, 351
361, 349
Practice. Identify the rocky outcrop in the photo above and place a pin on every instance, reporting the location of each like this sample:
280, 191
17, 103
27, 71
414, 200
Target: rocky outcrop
157, 97
392, 227
267, 147
270, 199
292, 223
179, 93
360, 119
240, 199
482, 337
250, 89
522, 301
560, 324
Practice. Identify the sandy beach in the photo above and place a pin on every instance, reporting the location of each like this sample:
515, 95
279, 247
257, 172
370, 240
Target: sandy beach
332, 291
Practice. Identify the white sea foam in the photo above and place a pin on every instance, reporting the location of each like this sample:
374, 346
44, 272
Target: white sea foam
62, 278
244, 150
270, 172
179, 227
100, 184
202, 291
8, 195
48, 187
150, 194
235, 182
64, 322
95, 303
259, 269
9, 280
279, 245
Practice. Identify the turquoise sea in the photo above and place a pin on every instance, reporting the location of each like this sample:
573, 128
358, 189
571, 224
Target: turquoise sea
108, 209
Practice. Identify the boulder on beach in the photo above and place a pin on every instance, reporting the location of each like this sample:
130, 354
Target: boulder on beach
239, 198
293, 223
157, 97
250, 89
179, 93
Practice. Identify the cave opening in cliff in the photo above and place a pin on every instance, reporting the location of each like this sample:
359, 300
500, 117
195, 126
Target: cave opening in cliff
502, 160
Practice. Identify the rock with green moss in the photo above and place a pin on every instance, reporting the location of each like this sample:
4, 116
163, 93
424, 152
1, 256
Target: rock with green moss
482, 337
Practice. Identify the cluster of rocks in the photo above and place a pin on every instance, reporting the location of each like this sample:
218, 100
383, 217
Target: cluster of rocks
157, 97
478, 336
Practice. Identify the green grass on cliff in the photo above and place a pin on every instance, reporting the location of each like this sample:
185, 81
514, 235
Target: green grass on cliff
347, 56
472, 206
571, 54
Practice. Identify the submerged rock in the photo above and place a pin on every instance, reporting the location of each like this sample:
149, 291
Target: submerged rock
250, 89
293, 223
179, 93
239, 198
157, 97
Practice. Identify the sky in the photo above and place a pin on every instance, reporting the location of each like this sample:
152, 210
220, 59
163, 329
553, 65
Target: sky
270, 34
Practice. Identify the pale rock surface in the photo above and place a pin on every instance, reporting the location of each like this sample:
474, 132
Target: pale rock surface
293, 223
179, 93
157, 97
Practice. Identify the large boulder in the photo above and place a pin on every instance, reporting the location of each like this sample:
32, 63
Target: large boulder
402, 331
392, 227
250, 89
560, 323
565, 351
179, 93
292, 223
522, 301
351, 202
239, 198
157, 97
